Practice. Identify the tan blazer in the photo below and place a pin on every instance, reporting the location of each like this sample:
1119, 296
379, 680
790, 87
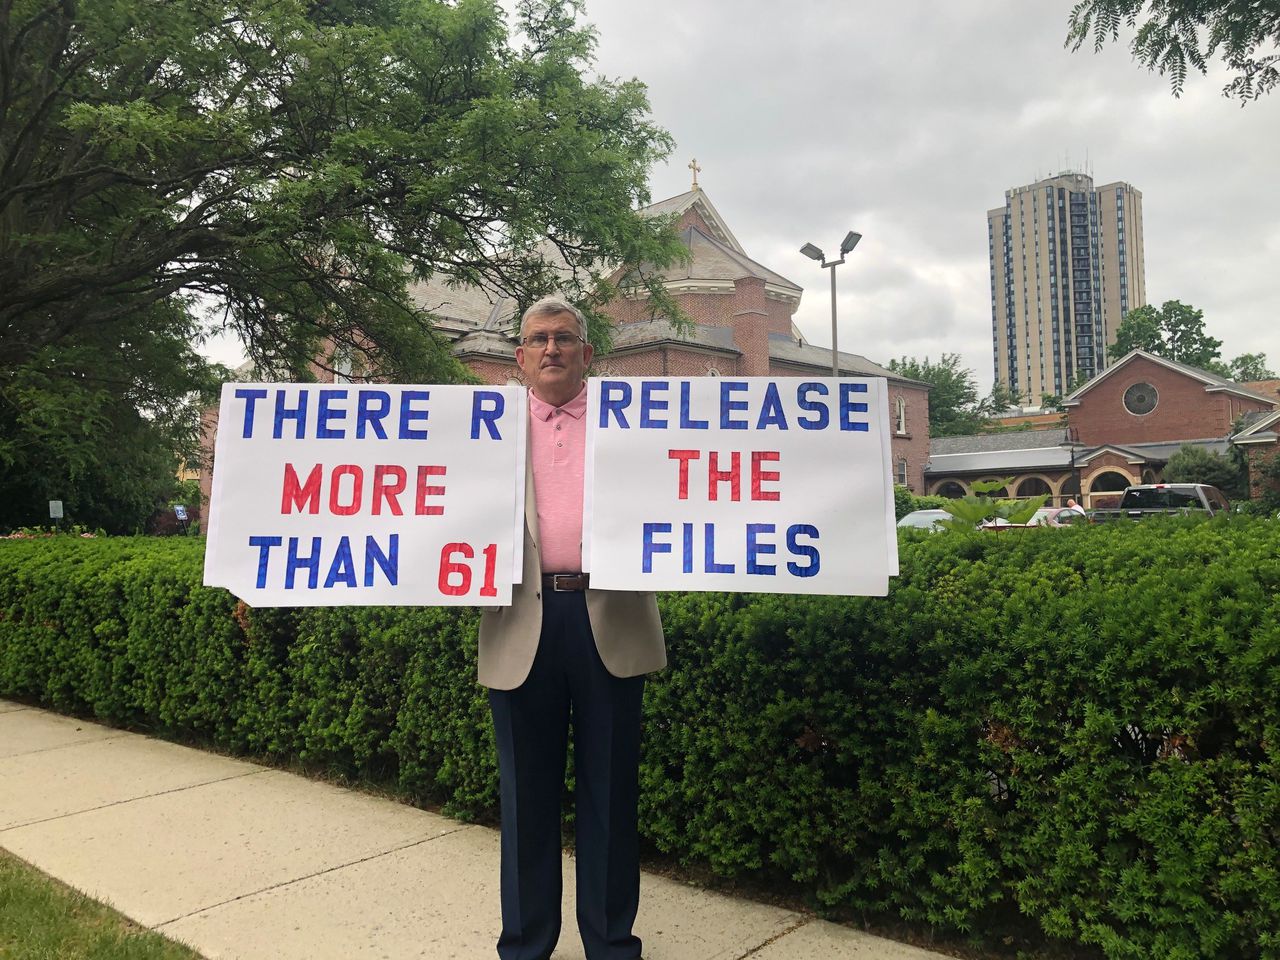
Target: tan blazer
626, 625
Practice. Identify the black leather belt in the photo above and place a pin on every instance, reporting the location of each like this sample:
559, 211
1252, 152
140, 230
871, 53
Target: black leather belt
566, 582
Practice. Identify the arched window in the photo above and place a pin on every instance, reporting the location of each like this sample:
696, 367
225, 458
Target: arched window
1109, 480
950, 489
1033, 487
902, 471
900, 415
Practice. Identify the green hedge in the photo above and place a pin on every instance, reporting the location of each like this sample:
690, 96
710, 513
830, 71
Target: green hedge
1077, 727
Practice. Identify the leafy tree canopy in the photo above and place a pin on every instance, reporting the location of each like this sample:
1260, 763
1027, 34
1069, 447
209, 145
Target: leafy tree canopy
1250, 366
1173, 35
1174, 330
281, 169
955, 409
1198, 465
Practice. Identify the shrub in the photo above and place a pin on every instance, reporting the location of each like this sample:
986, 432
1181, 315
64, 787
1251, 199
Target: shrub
1075, 726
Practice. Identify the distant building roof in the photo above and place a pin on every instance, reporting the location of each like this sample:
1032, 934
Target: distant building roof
1213, 383
789, 350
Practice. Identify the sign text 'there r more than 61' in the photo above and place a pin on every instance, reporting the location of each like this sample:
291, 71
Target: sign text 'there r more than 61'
745, 484
367, 494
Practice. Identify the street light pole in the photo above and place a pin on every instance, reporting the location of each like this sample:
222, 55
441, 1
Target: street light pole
814, 253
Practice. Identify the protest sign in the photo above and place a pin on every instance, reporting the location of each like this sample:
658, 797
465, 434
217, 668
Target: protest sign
775, 485
367, 494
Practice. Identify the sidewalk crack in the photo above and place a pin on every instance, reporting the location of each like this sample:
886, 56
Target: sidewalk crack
318, 873
803, 921
145, 796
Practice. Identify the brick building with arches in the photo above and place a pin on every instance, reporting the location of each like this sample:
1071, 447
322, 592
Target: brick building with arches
741, 314
1118, 429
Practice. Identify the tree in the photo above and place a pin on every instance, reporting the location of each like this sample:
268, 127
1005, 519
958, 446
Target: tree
1197, 465
1174, 331
955, 409
1176, 33
1250, 366
289, 166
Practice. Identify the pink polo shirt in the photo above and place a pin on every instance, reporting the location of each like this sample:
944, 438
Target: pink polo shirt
558, 441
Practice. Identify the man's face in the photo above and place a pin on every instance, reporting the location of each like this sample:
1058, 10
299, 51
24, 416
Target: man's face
555, 373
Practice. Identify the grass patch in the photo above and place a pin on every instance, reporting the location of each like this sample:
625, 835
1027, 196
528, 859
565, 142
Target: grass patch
42, 919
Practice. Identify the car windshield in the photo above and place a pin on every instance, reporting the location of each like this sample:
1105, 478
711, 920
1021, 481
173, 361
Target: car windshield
1160, 498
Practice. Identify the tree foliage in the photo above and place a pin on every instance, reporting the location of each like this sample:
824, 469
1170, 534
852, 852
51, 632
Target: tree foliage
1250, 366
955, 408
1172, 35
1198, 465
1174, 330
282, 169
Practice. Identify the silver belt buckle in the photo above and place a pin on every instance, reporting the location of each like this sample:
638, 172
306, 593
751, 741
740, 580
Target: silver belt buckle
555, 583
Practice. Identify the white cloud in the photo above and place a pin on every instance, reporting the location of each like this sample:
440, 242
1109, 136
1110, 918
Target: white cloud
908, 122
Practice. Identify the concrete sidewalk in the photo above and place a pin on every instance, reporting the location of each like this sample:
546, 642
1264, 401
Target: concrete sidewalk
243, 861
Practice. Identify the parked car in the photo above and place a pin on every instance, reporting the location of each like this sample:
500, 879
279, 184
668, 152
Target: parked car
1044, 517
1164, 499
924, 520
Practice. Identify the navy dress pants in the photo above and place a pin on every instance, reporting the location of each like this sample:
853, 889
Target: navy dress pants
568, 685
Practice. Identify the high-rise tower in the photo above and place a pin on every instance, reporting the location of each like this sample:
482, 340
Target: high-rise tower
1066, 266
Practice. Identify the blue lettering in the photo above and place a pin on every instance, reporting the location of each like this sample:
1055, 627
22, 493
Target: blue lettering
803, 550
728, 404
649, 404
283, 413
771, 413
686, 421
802, 398
651, 547
388, 562
342, 568
755, 548
848, 406
264, 545
294, 562
687, 530
408, 415
324, 415
487, 407
711, 565
250, 396
616, 404
367, 415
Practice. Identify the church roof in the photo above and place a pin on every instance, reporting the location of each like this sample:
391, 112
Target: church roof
1212, 382
696, 199
711, 259
790, 350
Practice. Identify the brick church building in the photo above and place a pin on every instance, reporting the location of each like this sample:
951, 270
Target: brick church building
1119, 429
742, 327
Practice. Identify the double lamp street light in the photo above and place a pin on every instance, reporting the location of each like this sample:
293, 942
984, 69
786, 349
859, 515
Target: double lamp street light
813, 253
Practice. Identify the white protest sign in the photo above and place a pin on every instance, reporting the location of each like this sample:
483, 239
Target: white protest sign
773, 485
346, 495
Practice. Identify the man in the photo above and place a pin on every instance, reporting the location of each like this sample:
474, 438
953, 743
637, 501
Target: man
564, 653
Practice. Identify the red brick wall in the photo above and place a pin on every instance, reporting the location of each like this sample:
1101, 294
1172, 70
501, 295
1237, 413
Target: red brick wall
1259, 456
1184, 410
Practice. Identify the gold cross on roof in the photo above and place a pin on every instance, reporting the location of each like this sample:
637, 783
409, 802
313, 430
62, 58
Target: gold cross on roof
693, 165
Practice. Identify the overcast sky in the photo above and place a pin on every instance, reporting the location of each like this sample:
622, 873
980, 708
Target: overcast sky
908, 121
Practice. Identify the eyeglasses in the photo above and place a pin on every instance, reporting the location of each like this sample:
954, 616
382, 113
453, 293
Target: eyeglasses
564, 341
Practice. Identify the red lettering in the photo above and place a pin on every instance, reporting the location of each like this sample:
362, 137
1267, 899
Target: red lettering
299, 495
451, 568
759, 476
684, 456
717, 476
388, 489
421, 507
335, 486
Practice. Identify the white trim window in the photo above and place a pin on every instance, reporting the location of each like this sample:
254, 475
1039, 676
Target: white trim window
900, 416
